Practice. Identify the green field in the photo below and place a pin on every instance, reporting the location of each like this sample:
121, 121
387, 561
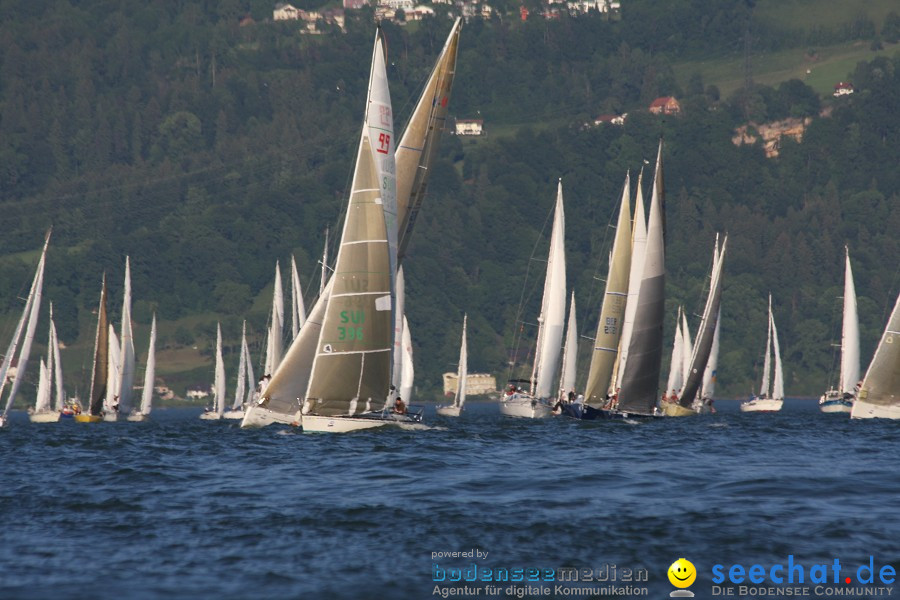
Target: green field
830, 65
824, 13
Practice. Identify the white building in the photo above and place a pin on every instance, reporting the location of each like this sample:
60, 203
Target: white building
285, 12
469, 127
404, 5
476, 383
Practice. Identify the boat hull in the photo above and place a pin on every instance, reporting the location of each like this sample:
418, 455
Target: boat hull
138, 417
867, 410
319, 424
525, 407
211, 416
234, 415
673, 409
259, 416
834, 401
448, 411
762, 405
44, 417
86, 418
110, 417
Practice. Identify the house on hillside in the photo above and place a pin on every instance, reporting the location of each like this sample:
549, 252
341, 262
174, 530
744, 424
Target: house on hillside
665, 105
198, 392
285, 12
842, 88
469, 127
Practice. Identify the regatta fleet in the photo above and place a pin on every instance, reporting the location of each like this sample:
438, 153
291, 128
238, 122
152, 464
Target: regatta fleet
348, 365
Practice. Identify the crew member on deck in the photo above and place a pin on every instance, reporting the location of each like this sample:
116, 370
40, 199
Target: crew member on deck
399, 406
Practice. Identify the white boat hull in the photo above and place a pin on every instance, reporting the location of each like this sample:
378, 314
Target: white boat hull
319, 424
44, 417
211, 416
525, 407
762, 405
259, 416
448, 411
111, 417
233, 414
866, 410
137, 417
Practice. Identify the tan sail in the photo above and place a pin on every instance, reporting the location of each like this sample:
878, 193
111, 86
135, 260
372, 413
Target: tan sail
612, 312
419, 146
351, 372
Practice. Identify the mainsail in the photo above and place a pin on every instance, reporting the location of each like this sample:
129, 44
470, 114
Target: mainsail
849, 332
125, 374
298, 310
639, 378
407, 373
240, 388
609, 327
881, 385
463, 370
29, 315
553, 307
100, 369
351, 372
219, 384
676, 371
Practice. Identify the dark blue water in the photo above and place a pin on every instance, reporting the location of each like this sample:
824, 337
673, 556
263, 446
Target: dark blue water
183, 508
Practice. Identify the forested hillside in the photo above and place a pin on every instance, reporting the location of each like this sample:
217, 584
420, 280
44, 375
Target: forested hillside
207, 150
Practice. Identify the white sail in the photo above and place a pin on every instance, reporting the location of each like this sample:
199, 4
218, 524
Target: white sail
150, 371
879, 395
219, 383
276, 342
298, 310
687, 349
778, 379
463, 370
399, 316
553, 308
114, 356
42, 401
767, 362
324, 266
407, 373
849, 332
712, 365
240, 389
570, 353
57, 365
32, 309
638, 250
676, 371
125, 375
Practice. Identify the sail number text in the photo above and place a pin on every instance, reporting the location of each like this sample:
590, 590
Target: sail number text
349, 332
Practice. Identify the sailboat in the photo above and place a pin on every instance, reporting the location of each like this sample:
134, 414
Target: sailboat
540, 398
640, 349
114, 356
100, 369
710, 373
696, 355
459, 399
274, 345
243, 390
770, 399
282, 400
841, 400
49, 382
676, 367
149, 379
29, 315
879, 394
126, 354
612, 312
218, 408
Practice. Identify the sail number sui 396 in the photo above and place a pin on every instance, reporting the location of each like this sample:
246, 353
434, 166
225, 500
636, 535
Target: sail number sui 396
348, 333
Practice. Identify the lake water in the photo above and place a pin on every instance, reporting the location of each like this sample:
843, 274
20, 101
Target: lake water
183, 508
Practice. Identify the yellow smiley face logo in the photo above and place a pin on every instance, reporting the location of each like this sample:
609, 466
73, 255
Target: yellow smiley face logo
682, 573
